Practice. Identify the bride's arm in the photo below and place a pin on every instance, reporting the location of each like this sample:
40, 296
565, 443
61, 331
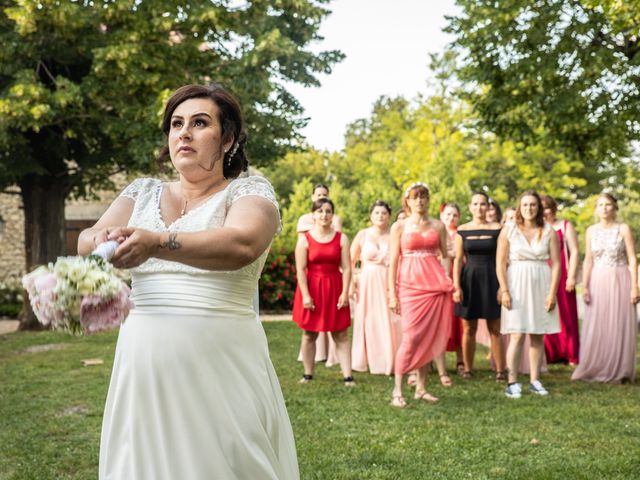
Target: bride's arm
117, 215
249, 227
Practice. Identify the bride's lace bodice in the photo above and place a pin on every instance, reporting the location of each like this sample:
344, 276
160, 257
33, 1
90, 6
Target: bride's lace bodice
210, 214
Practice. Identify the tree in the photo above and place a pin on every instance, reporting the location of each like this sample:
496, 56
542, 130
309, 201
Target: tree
82, 86
562, 73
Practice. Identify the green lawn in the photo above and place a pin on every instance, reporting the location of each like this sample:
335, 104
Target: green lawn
51, 407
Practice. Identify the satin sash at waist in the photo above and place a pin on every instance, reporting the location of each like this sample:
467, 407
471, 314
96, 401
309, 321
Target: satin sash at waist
212, 291
419, 253
323, 268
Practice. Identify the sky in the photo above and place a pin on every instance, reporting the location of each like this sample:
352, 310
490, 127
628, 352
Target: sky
387, 45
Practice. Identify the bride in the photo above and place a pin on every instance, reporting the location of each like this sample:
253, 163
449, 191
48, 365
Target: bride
193, 393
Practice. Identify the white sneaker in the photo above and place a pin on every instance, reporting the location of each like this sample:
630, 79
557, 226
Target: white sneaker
513, 391
537, 388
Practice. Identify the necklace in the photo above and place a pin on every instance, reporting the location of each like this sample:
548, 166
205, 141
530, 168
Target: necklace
197, 200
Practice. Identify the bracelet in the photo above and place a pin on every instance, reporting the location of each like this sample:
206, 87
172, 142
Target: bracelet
505, 291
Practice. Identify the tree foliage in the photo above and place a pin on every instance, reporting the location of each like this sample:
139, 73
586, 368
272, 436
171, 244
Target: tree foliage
82, 84
561, 73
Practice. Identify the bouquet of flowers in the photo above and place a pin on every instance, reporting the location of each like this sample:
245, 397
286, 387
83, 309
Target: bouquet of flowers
80, 295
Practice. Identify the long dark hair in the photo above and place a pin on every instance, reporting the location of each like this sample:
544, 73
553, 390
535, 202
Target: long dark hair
235, 160
539, 216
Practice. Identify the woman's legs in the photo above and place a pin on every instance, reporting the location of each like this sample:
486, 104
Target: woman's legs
514, 353
343, 350
308, 349
536, 351
442, 370
421, 385
469, 329
497, 347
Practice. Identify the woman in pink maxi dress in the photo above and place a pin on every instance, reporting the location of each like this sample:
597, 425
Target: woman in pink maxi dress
420, 290
564, 347
609, 329
376, 330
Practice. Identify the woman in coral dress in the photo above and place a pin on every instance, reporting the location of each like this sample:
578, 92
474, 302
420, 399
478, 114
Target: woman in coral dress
321, 301
564, 347
609, 329
376, 330
419, 290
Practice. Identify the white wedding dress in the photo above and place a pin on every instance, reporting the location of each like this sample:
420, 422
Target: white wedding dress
193, 393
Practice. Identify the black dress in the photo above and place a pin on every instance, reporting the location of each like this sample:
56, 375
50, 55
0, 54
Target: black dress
478, 279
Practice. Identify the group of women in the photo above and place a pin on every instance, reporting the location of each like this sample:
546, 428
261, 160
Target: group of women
425, 285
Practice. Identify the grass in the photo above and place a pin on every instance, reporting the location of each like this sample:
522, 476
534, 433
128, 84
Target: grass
51, 408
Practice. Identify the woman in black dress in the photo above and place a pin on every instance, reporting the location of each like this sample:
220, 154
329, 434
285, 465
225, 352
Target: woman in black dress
476, 283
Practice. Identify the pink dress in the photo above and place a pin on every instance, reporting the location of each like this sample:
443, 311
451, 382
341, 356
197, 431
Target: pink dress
609, 329
564, 346
376, 330
426, 306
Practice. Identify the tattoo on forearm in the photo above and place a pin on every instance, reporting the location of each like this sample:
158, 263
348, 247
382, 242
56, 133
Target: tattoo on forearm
172, 243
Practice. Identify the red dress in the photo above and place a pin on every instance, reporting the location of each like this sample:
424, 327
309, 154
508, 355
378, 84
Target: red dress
426, 306
564, 346
325, 286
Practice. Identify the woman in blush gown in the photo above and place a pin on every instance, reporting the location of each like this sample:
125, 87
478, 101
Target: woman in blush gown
528, 288
193, 393
419, 290
609, 329
376, 330
564, 347
321, 301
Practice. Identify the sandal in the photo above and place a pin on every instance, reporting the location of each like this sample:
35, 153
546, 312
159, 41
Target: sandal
398, 401
445, 380
306, 378
500, 377
426, 396
467, 375
460, 368
349, 381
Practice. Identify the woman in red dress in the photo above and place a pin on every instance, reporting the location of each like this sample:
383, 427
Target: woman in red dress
564, 347
321, 302
419, 290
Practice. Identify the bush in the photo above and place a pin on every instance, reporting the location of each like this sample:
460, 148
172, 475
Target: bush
10, 299
278, 282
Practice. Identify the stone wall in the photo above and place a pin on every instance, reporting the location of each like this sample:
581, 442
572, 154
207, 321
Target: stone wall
12, 252
11, 237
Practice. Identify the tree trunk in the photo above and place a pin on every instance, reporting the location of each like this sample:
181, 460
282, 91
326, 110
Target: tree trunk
44, 229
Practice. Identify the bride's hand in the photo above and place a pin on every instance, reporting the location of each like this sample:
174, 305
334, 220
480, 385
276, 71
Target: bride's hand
136, 246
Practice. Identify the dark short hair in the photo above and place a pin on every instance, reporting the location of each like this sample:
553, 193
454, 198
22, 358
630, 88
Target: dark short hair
317, 205
230, 120
319, 185
380, 203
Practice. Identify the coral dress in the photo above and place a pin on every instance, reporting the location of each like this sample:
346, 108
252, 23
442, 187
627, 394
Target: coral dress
564, 346
376, 330
325, 286
426, 306
193, 394
609, 329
